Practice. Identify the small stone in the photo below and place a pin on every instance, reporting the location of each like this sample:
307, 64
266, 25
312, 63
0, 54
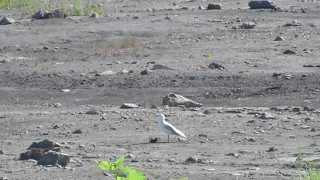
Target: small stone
172, 160
308, 108
266, 116
132, 156
247, 25
272, 149
160, 66
124, 72
296, 109
4, 60
201, 8
128, 106
65, 90
203, 135
289, 52
279, 38
93, 111
212, 6
214, 65
145, 72
94, 15
106, 73
77, 131
233, 154
191, 160
6, 21
4, 178
208, 111
174, 100
1, 151
287, 76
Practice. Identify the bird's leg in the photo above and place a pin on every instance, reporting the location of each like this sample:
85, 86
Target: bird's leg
168, 138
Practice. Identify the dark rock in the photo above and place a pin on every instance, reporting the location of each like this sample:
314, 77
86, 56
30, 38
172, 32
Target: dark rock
94, 15
308, 108
261, 4
191, 160
212, 6
128, 106
6, 20
154, 140
36, 153
54, 158
57, 13
279, 38
214, 65
77, 131
272, 149
174, 100
290, 52
45, 144
208, 111
145, 72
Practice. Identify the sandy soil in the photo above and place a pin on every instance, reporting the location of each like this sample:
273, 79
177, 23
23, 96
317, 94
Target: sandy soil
49, 55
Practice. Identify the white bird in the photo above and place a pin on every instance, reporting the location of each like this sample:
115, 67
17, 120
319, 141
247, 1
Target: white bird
168, 128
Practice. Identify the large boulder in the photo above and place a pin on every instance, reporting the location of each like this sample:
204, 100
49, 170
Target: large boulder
54, 158
262, 4
174, 100
45, 152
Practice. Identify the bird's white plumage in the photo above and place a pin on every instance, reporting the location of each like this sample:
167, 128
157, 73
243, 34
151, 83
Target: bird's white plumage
168, 128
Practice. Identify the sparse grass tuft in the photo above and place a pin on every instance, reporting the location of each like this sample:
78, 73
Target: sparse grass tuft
75, 9
14, 3
312, 175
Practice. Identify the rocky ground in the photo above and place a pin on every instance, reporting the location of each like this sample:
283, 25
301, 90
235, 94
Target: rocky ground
259, 112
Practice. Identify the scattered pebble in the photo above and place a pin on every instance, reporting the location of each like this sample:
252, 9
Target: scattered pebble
77, 131
212, 6
128, 106
279, 38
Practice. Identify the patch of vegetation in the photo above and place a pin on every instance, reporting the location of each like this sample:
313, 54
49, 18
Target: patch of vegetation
121, 172
14, 3
75, 9
312, 175
312, 167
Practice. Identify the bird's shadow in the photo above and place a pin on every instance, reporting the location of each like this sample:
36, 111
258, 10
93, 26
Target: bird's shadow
157, 141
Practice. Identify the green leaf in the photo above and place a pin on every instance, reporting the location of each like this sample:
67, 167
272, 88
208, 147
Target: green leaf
120, 178
120, 160
105, 165
135, 174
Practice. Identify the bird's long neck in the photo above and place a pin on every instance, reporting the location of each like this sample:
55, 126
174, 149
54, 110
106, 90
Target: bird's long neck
161, 120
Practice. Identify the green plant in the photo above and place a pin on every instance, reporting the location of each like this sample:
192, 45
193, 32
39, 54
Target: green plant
121, 172
312, 175
182, 178
77, 8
